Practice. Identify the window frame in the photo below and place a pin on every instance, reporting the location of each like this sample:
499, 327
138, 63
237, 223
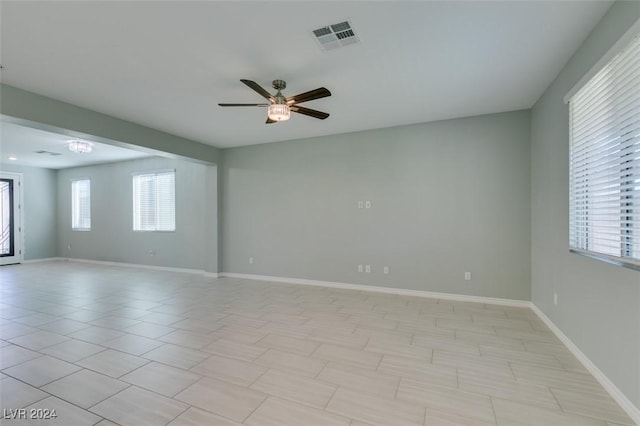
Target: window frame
628, 193
74, 181
136, 208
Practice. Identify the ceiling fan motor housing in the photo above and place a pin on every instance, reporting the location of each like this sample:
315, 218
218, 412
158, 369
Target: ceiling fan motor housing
279, 84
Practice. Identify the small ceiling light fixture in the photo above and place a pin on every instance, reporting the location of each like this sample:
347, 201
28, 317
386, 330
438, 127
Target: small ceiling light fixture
279, 110
81, 147
12, 158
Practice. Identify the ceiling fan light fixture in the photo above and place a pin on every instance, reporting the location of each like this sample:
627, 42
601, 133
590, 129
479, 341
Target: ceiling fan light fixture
279, 112
80, 147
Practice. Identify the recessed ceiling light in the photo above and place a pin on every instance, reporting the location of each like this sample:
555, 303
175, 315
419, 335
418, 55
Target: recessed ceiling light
81, 147
12, 158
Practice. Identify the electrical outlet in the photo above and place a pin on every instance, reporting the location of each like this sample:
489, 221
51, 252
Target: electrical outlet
152, 253
367, 268
385, 270
367, 204
69, 247
555, 299
360, 204
467, 276
359, 268
251, 260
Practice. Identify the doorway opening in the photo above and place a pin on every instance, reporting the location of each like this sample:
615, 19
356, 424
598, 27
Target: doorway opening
10, 218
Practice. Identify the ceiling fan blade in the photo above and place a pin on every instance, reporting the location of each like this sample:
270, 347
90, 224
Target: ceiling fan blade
255, 86
243, 105
310, 112
321, 92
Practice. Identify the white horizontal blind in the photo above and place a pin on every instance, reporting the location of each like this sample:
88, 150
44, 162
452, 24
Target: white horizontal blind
154, 202
605, 159
81, 204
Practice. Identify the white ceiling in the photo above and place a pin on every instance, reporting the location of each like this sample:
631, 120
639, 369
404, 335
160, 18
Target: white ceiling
167, 64
22, 143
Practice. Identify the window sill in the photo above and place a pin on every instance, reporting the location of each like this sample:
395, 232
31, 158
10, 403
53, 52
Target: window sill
610, 260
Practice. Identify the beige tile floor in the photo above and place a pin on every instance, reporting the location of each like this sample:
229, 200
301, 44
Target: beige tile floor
110, 345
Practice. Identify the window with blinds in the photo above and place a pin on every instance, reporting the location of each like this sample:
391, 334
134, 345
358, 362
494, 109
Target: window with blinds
154, 201
605, 160
81, 205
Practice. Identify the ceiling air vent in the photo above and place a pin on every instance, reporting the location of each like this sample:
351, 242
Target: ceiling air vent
336, 35
42, 151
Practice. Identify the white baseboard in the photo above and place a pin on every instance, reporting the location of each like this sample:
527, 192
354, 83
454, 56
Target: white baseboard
387, 290
123, 264
46, 259
624, 402
136, 265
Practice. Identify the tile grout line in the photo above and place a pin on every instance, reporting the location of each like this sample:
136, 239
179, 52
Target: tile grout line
333, 394
256, 408
493, 408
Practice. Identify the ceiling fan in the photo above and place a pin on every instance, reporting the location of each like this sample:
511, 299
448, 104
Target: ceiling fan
279, 107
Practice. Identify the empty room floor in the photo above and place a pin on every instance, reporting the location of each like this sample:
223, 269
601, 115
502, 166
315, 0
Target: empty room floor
112, 345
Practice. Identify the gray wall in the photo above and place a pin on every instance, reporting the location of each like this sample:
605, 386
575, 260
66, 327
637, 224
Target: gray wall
447, 197
39, 210
111, 238
598, 304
